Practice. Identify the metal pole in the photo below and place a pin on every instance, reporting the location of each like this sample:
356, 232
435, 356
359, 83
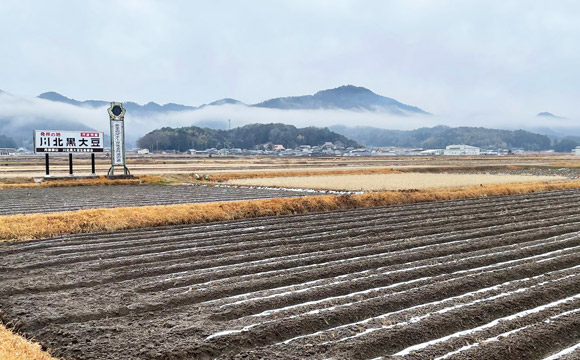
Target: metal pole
70, 167
93, 163
46, 164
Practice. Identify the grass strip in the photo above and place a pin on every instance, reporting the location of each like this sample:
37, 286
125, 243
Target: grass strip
99, 181
15, 347
354, 171
38, 226
298, 173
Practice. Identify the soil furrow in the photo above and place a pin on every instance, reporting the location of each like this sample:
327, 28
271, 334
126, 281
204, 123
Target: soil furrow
357, 284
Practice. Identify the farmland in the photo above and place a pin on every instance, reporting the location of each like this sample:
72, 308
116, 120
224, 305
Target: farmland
495, 277
33, 166
401, 181
42, 200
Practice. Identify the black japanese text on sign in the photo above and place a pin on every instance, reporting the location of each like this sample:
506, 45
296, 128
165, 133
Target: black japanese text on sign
68, 141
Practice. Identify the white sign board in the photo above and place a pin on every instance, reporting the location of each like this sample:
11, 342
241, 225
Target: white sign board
117, 143
56, 141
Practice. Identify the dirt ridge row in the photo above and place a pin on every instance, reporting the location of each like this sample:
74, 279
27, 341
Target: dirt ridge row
341, 284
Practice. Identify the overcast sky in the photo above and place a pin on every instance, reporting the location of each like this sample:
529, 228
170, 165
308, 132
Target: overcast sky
452, 58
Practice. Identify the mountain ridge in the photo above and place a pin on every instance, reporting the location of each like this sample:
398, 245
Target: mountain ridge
547, 114
129, 105
346, 97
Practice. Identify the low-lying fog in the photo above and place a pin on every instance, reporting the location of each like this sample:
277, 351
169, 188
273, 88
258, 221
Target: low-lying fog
18, 113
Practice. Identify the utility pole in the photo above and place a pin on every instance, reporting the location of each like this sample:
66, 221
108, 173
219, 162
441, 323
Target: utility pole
229, 124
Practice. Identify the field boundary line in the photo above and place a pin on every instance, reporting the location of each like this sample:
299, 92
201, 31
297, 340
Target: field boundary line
99, 181
39, 226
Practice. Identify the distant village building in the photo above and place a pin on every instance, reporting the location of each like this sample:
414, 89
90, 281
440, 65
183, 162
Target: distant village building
576, 151
461, 150
142, 151
489, 152
359, 152
7, 151
432, 152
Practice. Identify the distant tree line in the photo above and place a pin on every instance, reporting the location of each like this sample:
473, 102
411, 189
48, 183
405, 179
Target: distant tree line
439, 137
566, 144
7, 142
246, 137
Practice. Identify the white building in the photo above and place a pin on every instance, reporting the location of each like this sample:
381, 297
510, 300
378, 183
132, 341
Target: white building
461, 150
7, 151
432, 152
576, 151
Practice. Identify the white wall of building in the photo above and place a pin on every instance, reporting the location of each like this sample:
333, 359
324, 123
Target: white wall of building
455, 150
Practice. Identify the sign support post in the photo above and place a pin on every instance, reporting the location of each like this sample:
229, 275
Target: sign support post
117, 118
93, 164
46, 164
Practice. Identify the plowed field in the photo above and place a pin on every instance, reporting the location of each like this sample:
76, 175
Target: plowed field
491, 278
43, 200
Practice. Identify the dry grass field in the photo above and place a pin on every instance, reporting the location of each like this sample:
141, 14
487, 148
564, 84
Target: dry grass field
401, 181
39, 226
14, 347
33, 166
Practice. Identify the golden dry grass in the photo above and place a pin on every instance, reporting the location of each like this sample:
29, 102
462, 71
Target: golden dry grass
276, 174
29, 166
99, 181
38, 226
389, 181
15, 347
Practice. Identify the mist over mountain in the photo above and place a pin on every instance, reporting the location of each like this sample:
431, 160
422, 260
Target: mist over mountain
346, 97
226, 101
7, 142
347, 106
547, 114
51, 110
21, 130
130, 106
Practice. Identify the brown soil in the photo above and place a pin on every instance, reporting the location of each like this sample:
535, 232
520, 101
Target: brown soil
43, 200
343, 284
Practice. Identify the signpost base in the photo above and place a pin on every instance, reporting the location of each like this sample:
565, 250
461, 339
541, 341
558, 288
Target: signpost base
111, 172
120, 177
69, 177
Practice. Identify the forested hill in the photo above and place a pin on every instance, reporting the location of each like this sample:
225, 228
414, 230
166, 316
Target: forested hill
440, 136
7, 142
246, 137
